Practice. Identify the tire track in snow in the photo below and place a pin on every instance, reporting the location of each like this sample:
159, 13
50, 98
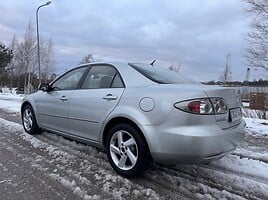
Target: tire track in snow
88, 169
148, 180
230, 181
201, 186
241, 165
194, 185
16, 160
242, 155
49, 166
153, 181
252, 139
101, 161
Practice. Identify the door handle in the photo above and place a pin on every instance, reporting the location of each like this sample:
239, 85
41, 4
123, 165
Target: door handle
63, 98
110, 97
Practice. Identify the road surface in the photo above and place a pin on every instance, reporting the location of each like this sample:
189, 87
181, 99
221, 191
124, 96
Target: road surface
48, 166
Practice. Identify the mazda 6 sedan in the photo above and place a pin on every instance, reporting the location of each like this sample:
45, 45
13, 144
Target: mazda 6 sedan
138, 113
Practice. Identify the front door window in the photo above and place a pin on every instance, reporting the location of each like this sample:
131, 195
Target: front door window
69, 81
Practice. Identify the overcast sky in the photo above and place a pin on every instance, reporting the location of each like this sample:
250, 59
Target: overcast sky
198, 35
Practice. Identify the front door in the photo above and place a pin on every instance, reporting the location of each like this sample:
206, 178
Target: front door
52, 110
53, 106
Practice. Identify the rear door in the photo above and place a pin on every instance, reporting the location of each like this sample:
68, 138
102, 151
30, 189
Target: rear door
99, 94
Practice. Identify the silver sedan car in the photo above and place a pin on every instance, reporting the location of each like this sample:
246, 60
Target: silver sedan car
138, 113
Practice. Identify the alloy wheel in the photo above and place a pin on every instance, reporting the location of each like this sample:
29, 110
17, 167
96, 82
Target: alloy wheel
28, 119
124, 150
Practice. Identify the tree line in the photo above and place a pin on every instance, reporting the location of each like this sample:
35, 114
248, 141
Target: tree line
19, 67
258, 83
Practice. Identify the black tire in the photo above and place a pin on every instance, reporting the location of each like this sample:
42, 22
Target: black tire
133, 151
29, 120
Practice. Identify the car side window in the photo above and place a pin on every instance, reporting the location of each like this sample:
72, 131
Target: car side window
70, 80
117, 82
102, 77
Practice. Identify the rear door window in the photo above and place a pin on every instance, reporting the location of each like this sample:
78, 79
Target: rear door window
102, 76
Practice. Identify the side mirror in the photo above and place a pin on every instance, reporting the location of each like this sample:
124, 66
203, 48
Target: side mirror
44, 87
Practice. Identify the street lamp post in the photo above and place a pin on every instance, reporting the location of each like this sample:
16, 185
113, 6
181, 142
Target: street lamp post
38, 45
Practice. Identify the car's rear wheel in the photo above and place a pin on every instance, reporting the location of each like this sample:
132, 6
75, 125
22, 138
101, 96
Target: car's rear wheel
29, 121
127, 150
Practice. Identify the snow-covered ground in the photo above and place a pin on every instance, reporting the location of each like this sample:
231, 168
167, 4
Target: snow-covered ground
10, 102
257, 127
86, 172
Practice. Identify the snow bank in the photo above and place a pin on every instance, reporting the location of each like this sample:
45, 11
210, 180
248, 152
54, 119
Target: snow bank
10, 102
259, 114
257, 127
9, 96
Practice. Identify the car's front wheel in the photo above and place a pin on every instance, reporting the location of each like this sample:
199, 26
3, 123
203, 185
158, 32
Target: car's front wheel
29, 121
127, 150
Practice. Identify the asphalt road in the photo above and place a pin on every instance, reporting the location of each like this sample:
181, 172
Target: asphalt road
48, 166
18, 179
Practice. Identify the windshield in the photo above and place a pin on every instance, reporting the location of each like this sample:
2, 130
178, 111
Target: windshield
162, 76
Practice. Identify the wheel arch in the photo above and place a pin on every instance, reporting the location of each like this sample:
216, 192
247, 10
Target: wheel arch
120, 120
23, 105
27, 102
34, 129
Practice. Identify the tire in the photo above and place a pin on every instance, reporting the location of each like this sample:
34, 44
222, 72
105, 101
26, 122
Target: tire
130, 158
29, 121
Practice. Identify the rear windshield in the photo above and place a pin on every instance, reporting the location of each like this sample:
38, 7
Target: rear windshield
162, 76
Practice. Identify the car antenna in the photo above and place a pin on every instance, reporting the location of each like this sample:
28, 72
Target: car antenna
152, 63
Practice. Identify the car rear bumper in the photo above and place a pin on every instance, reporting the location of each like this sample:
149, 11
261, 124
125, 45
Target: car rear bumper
192, 144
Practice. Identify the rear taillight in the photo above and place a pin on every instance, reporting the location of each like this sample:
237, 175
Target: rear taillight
219, 105
194, 106
205, 106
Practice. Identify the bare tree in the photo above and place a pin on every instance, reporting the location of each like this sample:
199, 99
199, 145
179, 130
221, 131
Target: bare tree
13, 63
26, 58
47, 60
27, 55
256, 51
87, 59
226, 75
